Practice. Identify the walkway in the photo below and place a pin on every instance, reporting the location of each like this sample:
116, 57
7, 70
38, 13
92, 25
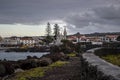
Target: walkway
105, 67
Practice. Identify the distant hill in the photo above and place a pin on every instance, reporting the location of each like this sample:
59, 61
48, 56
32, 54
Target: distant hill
99, 34
103, 34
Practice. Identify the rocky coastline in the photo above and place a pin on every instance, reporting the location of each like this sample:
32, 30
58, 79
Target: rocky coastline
77, 68
32, 49
10, 67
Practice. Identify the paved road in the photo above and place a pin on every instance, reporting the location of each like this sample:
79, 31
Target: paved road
107, 68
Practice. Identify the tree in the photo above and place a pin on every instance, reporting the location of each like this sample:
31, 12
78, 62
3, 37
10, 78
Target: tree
48, 29
48, 34
118, 38
0, 38
56, 31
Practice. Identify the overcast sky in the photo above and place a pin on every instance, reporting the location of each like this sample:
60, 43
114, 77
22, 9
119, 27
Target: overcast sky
29, 17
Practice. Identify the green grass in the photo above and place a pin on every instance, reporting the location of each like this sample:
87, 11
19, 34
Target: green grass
72, 55
114, 59
37, 72
58, 64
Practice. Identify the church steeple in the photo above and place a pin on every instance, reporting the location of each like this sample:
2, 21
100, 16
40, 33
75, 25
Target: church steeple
65, 33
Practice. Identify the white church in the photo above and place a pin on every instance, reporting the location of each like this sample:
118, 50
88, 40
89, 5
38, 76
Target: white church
61, 36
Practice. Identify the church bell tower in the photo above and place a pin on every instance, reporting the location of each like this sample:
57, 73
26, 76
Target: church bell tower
65, 33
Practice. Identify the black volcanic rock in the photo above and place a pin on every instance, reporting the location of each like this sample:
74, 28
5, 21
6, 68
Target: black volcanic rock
6, 69
28, 64
44, 61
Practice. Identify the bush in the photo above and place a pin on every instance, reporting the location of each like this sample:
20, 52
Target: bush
44, 61
28, 64
54, 49
111, 44
57, 56
66, 49
107, 51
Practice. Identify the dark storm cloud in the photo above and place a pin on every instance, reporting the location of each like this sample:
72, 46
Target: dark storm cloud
111, 14
104, 15
34, 11
80, 15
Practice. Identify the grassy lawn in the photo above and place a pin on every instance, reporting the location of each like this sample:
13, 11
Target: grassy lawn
37, 72
114, 59
72, 55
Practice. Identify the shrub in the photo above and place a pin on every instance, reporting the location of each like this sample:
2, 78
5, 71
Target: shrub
44, 61
57, 56
107, 51
28, 64
54, 49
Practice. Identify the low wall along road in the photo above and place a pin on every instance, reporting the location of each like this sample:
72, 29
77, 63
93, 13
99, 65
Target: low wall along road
105, 67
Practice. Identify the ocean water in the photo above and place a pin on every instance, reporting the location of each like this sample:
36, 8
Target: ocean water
14, 56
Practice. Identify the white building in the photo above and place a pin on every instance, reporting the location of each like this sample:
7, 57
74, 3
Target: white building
61, 36
11, 41
16, 41
28, 41
109, 38
65, 33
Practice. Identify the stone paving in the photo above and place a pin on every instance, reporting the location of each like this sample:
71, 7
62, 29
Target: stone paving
105, 67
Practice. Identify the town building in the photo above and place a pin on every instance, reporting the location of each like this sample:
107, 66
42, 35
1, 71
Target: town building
111, 38
27, 41
78, 38
21, 41
10, 41
94, 39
